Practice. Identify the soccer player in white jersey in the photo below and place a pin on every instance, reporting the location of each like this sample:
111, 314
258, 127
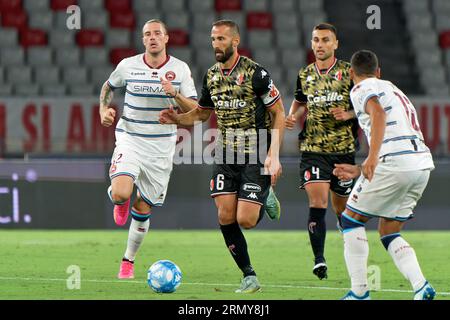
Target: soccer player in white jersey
394, 176
144, 150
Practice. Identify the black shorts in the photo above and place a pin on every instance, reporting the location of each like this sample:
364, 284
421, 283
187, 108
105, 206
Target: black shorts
315, 167
245, 180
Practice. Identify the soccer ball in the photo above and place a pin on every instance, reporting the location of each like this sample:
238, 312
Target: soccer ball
164, 276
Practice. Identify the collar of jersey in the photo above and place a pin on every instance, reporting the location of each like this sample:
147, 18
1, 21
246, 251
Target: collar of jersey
328, 70
158, 67
232, 68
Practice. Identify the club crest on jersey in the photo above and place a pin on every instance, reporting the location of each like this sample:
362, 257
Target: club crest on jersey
112, 169
239, 79
307, 175
338, 75
211, 185
170, 76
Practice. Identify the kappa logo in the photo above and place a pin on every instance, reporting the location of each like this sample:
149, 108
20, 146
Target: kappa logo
345, 183
263, 73
252, 187
309, 78
252, 196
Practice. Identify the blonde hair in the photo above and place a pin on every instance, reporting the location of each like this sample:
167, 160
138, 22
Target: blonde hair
157, 21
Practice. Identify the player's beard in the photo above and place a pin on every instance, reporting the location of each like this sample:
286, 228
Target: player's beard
225, 55
325, 56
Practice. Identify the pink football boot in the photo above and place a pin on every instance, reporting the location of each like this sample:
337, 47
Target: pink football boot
126, 270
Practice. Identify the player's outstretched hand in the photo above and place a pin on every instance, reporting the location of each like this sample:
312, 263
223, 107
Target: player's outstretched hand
346, 171
340, 114
290, 121
168, 116
368, 167
273, 167
107, 117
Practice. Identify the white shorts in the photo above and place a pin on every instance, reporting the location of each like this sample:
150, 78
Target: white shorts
151, 175
391, 195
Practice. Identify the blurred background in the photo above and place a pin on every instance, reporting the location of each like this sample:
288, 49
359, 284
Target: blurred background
55, 154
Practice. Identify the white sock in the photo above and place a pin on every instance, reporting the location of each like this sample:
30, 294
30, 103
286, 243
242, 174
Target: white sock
136, 235
406, 261
356, 253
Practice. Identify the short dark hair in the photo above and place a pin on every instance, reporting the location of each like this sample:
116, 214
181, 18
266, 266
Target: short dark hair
157, 21
364, 62
229, 23
326, 26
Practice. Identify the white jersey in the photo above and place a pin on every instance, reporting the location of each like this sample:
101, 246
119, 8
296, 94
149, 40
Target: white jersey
403, 147
138, 126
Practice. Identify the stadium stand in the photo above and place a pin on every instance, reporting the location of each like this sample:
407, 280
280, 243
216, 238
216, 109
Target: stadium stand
34, 36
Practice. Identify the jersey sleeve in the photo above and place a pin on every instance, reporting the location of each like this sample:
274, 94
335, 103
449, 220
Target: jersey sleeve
299, 96
187, 86
117, 77
205, 101
264, 87
361, 94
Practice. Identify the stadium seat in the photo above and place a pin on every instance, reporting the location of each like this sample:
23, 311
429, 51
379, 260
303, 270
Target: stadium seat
41, 20
95, 56
118, 38
46, 75
26, 90
173, 6
10, 5
177, 20
307, 6
289, 39
68, 56
201, 6
18, 75
75, 75
12, 56
143, 17
99, 75
444, 40
6, 89
89, 37
33, 37
61, 38
442, 21
81, 90
178, 38
95, 19
91, 5
118, 54
53, 90
118, 5
246, 52
145, 6
14, 19
125, 20
415, 6
9, 37
228, 5
293, 58
284, 6
31, 6
203, 21
286, 21
260, 39
2, 75
201, 40
61, 5
266, 58
259, 20
182, 53
39, 56
255, 5
441, 6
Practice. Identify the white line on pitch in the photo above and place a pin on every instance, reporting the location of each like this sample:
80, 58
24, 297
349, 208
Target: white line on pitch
215, 284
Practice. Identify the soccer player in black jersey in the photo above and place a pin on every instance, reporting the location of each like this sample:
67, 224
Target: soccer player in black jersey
328, 135
246, 103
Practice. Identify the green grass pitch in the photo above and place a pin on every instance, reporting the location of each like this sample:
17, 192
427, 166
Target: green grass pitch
34, 265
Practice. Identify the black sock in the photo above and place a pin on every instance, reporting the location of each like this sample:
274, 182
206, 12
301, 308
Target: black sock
235, 241
317, 232
125, 259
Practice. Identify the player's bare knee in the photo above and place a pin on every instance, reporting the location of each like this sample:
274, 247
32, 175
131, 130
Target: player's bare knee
247, 222
119, 197
225, 215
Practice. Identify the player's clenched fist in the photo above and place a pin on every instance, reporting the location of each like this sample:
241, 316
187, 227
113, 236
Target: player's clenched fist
290, 121
168, 116
107, 117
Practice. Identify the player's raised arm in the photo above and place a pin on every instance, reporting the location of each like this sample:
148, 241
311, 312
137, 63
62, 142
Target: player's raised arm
170, 116
378, 126
107, 114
